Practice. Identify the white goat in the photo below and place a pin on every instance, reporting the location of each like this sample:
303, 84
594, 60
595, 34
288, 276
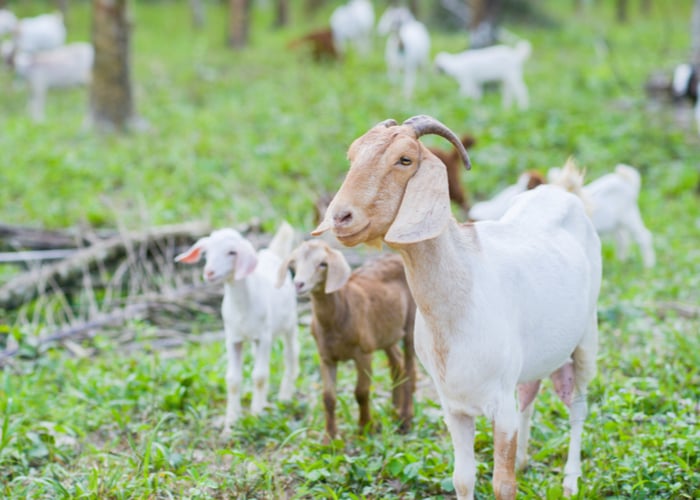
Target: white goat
407, 46
612, 203
501, 304
495, 207
352, 23
34, 34
499, 63
355, 314
253, 309
66, 66
8, 22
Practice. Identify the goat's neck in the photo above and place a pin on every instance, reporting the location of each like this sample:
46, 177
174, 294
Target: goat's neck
237, 292
329, 308
439, 271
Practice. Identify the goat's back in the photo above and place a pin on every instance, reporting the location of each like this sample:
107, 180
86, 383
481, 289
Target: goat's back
546, 273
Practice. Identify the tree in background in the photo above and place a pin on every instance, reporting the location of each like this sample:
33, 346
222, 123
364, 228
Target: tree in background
111, 96
483, 22
281, 13
695, 34
238, 27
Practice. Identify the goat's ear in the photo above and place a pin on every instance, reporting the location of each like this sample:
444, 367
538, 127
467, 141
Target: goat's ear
425, 208
246, 260
338, 271
282, 272
194, 253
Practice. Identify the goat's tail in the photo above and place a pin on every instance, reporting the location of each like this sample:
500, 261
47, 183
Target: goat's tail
571, 178
283, 241
630, 175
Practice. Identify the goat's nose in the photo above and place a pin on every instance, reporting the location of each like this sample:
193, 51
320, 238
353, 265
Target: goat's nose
299, 285
208, 273
342, 218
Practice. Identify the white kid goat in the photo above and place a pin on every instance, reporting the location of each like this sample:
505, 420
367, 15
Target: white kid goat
352, 23
8, 22
35, 34
613, 204
253, 310
407, 46
498, 205
66, 66
501, 305
500, 63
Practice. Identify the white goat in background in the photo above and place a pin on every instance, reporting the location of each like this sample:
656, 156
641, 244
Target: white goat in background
501, 304
613, 205
407, 46
8, 22
499, 63
253, 310
35, 34
66, 66
353, 23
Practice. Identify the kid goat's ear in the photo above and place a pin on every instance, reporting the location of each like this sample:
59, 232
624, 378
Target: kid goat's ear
194, 253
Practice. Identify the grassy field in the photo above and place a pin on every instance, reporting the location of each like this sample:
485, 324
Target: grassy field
259, 134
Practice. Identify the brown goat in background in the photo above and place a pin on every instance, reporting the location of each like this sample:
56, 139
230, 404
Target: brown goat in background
320, 42
453, 162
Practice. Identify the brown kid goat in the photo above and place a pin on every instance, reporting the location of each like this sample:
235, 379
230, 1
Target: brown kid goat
355, 314
320, 42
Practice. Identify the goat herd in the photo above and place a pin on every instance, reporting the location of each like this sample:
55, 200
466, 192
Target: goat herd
490, 307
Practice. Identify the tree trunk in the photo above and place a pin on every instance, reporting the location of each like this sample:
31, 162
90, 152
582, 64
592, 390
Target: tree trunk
62, 6
197, 9
695, 34
282, 14
621, 11
413, 5
313, 5
239, 11
111, 96
483, 22
646, 7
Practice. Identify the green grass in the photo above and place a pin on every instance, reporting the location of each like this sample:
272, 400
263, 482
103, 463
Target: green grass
260, 134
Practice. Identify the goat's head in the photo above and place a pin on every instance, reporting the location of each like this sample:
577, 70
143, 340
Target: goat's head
315, 266
396, 189
228, 255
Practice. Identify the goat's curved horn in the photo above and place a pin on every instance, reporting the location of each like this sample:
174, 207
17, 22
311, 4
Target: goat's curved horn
424, 124
387, 123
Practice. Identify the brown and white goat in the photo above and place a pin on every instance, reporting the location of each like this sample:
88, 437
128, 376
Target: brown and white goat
453, 162
501, 304
320, 42
355, 314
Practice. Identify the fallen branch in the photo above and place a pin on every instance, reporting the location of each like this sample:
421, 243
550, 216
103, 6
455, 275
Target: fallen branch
29, 285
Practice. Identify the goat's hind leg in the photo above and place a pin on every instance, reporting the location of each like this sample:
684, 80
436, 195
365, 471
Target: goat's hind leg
261, 376
584, 368
234, 380
291, 364
526, 396
505, 445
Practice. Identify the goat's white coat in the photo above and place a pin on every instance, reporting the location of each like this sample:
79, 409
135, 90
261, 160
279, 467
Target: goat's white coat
500, 303
495, 207
407, 46
613, 205
34, 34
499, 63
8, 22
66, 66
253, 310
680, 83
353, 23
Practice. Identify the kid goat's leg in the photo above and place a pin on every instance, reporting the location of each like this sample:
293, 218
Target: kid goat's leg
234, 378
291, 364
261, 375
329, 372
364, 380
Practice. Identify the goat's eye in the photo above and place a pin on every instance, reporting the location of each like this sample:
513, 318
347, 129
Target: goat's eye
232, 253
405, 160
323, 265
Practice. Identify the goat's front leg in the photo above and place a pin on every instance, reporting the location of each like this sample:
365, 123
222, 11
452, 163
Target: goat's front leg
505, 446
234, 379
364, 380
462, 431
398, 375
329, 370
261, 375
